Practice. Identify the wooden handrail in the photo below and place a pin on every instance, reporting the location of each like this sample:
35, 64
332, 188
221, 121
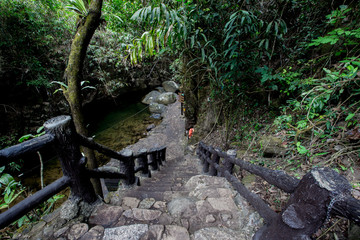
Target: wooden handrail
60, 132
90, 143
33, 201
26, 147
275, 177
320, 193
263, 208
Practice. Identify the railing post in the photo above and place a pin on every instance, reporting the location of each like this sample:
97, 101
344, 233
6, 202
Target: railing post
206, 163
67, 147
153, 160
158, 157
214, 159
143, 162
162, 152
201, 150
127, 166
228, 165
309, 206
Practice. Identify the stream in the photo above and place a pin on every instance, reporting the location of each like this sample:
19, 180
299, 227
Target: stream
117, 129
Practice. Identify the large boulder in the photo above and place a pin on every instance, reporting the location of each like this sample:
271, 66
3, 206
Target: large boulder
166, 98
170, 86
151, 97
157, 108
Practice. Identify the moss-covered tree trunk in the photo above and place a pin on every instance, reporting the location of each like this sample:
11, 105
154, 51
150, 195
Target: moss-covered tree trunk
73, 75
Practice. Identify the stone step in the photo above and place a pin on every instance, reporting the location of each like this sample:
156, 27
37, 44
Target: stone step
177, 177
158, 196
160, 184
159, 188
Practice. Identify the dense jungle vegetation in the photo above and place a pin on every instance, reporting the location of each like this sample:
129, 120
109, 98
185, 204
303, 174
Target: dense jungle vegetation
284, 70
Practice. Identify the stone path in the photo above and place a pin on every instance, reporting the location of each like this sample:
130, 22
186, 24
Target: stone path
177, 203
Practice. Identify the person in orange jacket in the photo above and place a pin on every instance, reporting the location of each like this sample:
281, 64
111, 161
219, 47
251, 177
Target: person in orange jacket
191, 131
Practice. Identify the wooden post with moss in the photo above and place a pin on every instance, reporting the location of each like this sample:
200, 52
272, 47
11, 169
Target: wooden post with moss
72, 162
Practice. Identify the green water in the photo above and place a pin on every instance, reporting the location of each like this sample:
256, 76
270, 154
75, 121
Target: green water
136, 111
123, 127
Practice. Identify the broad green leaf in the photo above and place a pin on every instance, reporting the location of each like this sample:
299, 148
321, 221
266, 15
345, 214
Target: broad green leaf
349, 117
26, 137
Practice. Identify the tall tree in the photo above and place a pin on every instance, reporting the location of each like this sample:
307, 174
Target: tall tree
86, 26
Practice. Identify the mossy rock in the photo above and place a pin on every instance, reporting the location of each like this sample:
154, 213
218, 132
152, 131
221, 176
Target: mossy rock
272, 146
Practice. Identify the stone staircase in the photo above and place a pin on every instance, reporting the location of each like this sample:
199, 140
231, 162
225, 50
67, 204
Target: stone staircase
168, 182
176, 203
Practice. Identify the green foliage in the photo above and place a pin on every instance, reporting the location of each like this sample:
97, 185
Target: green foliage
39, 132
32, 44
167, 25
345, 37
117, 14
77, 6
11, 189
64, 86
301, 149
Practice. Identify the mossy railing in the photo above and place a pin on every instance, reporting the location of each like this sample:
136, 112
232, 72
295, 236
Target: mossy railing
61, 135
321, 193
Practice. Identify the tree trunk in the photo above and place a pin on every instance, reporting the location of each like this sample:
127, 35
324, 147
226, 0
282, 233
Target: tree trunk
73, 75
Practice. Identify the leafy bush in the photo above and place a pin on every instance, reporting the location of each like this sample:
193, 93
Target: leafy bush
32, 43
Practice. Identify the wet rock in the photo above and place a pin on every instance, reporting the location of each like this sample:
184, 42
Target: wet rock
38, 227
222, 204
151, 97
131, 232
130, 202
165, 219
70, 209
146, 214
170, 86
77, 231
155, 116
51, 216
160, 89
48, 231
203, 193
159, 205
105, 215
150, 127
185, 223
157, 108
173, 232
155, 233
182, 207
202, 181
216, 206
147, 203
61, 231
214, 233
95, 233
128, 214
272, 146
210, 218
166, 98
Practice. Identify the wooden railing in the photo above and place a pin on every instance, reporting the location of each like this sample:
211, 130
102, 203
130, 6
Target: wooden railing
321, 193
61, 134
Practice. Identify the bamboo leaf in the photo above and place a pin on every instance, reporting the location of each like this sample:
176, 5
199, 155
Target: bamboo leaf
269, 27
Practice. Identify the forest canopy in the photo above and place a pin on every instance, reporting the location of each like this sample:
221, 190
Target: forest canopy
249, 69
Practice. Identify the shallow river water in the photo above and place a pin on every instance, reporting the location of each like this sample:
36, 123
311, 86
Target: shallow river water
119, 128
